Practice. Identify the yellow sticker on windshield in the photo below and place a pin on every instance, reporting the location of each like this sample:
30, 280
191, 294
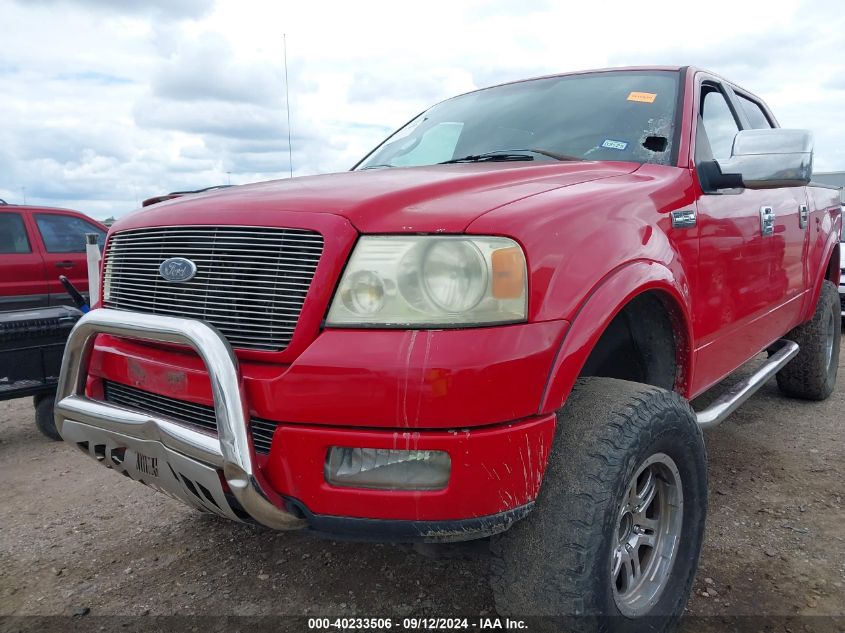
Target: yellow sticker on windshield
642, 97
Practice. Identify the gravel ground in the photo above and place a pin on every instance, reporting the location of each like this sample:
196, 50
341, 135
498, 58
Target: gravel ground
77, 538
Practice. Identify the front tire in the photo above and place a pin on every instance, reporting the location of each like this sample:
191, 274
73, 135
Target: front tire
811, 375
614, 540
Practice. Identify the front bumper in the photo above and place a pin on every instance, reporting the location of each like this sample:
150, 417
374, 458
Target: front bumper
496, 473
107, 428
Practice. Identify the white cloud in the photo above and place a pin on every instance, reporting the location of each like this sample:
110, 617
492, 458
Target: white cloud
105, 104
208, 70
159, 8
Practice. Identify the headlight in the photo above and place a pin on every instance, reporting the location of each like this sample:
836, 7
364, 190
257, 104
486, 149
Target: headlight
431, 281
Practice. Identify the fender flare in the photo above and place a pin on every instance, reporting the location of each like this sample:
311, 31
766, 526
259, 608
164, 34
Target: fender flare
596, 312
821, 274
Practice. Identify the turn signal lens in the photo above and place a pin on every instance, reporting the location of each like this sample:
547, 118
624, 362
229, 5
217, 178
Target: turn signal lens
387, 469
508, 273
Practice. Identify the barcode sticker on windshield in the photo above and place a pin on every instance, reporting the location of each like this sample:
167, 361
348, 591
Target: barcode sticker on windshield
611, 144
642, 97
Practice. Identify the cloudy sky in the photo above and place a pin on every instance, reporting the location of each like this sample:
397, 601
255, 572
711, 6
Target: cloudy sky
107, 102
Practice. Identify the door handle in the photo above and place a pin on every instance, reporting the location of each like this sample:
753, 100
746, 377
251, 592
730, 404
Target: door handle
683, 219
767, 221
65, 264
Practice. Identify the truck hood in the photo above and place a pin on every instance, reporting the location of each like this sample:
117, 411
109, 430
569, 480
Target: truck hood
438, 198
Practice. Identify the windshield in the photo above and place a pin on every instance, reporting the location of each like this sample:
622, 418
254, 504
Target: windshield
627, 116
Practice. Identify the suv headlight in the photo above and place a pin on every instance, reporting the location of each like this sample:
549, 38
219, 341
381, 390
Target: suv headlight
431, 281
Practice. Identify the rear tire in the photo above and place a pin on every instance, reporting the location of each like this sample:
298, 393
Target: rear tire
572, 557
44, 419
811, 375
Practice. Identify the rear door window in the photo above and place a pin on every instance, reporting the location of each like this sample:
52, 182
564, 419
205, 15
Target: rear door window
65, 233
13, 238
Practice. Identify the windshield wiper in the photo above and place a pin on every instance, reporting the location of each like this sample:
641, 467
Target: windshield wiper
508, 155
489, 157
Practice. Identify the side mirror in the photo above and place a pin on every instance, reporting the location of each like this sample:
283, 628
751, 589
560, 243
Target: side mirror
766, 159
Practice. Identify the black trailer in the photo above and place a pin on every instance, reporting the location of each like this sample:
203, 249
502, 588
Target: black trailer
31, 346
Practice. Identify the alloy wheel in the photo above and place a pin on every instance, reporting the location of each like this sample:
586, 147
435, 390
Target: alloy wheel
645, 542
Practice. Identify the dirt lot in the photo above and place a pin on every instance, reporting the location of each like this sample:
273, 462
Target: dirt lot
77, 538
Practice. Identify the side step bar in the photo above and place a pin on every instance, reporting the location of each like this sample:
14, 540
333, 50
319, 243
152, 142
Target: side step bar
731, 400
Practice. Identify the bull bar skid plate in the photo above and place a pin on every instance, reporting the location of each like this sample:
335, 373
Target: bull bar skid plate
187, 461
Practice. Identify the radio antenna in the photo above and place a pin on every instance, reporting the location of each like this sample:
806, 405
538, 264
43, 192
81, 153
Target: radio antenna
287, 102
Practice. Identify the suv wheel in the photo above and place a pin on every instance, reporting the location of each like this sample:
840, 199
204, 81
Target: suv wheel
811, 375
614, 540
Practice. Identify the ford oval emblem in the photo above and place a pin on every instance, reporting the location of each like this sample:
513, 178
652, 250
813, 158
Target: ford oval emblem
177, 269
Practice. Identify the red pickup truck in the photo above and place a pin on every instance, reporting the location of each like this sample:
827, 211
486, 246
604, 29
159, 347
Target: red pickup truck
491, 327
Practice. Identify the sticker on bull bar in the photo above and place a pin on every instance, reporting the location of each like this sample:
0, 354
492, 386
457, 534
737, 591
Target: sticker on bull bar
147, 465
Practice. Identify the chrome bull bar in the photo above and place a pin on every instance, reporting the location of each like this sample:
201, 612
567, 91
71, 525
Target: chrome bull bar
231, 452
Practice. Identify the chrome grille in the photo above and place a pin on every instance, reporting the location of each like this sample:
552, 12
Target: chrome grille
250, 282
198, 416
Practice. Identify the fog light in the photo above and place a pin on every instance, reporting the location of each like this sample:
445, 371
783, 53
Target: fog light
387, 469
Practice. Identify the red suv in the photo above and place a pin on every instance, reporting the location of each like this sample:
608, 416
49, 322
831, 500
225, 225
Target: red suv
37, 244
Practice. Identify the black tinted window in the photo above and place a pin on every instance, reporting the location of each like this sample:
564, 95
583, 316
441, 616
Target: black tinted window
626, 116
719, 124
65, 233
755, 114
13, 237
